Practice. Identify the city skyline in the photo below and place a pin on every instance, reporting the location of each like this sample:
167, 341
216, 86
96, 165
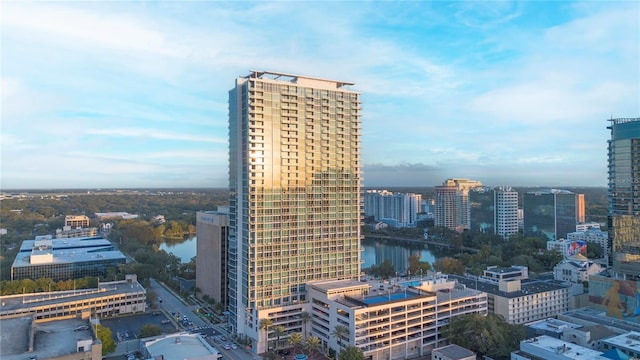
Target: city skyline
126, 95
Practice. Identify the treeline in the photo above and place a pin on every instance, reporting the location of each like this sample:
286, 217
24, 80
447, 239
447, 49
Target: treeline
28, 286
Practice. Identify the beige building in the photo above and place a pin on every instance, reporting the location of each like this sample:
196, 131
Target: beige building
515, 297
76, 221
452, 203
179, 346
109, 299
390, 320
23, 337
212, 230
295, 195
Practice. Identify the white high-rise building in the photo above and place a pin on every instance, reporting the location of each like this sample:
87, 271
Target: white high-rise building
506, 211
452, 203
295, 197
395, 209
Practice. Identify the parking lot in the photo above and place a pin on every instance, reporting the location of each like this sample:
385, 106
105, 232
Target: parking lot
128, 327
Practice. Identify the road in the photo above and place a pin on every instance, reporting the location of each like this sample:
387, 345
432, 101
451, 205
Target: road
173, 304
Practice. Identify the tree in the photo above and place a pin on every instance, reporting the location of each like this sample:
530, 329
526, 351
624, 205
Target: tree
416, 266
487, 335
384, 270
106, 338
265, 324
305, 317
312, 343
295, 339
278, 332
594, 251
149, 330
449, 265
339, 332
351, 353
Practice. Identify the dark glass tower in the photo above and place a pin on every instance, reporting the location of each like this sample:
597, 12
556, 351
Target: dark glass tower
624, 196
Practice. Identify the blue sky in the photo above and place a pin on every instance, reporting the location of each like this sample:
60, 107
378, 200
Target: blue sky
134, 94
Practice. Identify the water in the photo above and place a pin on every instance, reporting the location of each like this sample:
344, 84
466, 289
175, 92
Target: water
374, 253
184, 250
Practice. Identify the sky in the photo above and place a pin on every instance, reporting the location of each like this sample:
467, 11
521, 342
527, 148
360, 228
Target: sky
120, 94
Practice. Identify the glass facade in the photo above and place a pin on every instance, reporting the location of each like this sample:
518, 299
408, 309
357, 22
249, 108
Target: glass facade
482, 205
624, 196
295, 190
550, 214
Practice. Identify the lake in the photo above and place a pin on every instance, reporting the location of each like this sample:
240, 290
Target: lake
375, 252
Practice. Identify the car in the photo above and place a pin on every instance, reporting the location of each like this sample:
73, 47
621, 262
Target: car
234, 346
160, 300
284, 352
165, 321
156, 313
226, 347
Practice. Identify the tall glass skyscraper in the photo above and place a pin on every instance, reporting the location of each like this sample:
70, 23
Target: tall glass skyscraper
549, 213
295, 196
624, 196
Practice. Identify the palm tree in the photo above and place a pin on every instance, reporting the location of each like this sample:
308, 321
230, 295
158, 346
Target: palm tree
295, 339
305, 317
339, 332
312, 343
266, 324
278, 331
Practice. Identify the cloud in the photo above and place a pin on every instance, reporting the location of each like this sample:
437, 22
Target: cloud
154, 134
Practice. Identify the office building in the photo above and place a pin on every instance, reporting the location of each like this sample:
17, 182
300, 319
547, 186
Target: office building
212, 229
295, 195
494, 210
25, 338
624, 197
452, 203
76, 221
511, 294
64, 259
385, 320
394, 209
580, 209
108, 299
549, 213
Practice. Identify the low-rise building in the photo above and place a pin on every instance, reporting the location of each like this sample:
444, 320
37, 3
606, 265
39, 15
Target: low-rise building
65, 259
549, 348
390, 320
109, 299
628, 344
179, 346
452, 352
76, 221
594, 236
576, 269
116, 215
25, 338
516, 298
69, 232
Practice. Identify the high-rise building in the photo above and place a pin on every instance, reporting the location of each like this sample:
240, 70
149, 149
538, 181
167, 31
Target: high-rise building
295, 196
580, 208
550, 213
452, 203
395, 209
494, 210
624, 196
212, 229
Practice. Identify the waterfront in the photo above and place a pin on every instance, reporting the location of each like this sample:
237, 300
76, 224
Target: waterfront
374, 252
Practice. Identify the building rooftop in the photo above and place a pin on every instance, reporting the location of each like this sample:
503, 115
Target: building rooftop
630, 340
527, 286
272, 75
599, 316
547, 345
552, 325
454, 351
51, 339
180, 346
69, 250
12, 302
